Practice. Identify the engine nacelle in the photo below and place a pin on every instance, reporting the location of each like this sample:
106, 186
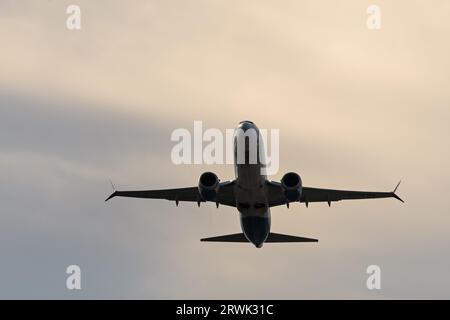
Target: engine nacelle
208, 185
291, 183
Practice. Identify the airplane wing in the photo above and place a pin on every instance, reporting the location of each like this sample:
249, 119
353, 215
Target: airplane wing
225, 194
276, 196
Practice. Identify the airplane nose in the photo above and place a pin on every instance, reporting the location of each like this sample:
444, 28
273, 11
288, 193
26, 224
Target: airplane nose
245, 125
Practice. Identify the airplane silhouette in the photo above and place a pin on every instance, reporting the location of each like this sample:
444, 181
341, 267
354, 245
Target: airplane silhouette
253, 194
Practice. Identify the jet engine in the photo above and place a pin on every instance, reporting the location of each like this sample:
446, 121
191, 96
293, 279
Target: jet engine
291, 184
208, 185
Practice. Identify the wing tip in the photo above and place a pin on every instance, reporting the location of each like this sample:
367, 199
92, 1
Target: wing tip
395, 195
395, 189
114, 191
111, 196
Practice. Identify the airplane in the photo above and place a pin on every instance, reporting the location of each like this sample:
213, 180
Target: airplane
253, 195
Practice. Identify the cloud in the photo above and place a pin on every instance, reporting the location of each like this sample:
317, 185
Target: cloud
355, 109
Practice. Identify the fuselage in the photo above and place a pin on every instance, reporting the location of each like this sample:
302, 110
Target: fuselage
250, 183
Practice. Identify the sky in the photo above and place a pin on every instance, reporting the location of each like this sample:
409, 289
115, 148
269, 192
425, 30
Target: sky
356, 109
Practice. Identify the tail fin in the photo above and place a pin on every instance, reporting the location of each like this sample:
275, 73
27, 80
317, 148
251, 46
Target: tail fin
273, 237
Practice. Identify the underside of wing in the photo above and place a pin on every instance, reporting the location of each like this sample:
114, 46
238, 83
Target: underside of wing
276, 196
225, 194
328, 195
179, 194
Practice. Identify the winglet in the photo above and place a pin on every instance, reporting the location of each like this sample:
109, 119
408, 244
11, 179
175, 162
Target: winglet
114, 191
112, 185
395, 189
111, 196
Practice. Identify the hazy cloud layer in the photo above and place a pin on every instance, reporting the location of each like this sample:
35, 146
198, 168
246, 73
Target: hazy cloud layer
355, 109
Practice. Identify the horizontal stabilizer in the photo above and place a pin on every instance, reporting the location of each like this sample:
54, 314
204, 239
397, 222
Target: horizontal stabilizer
277, 237
237, 237
273, 237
